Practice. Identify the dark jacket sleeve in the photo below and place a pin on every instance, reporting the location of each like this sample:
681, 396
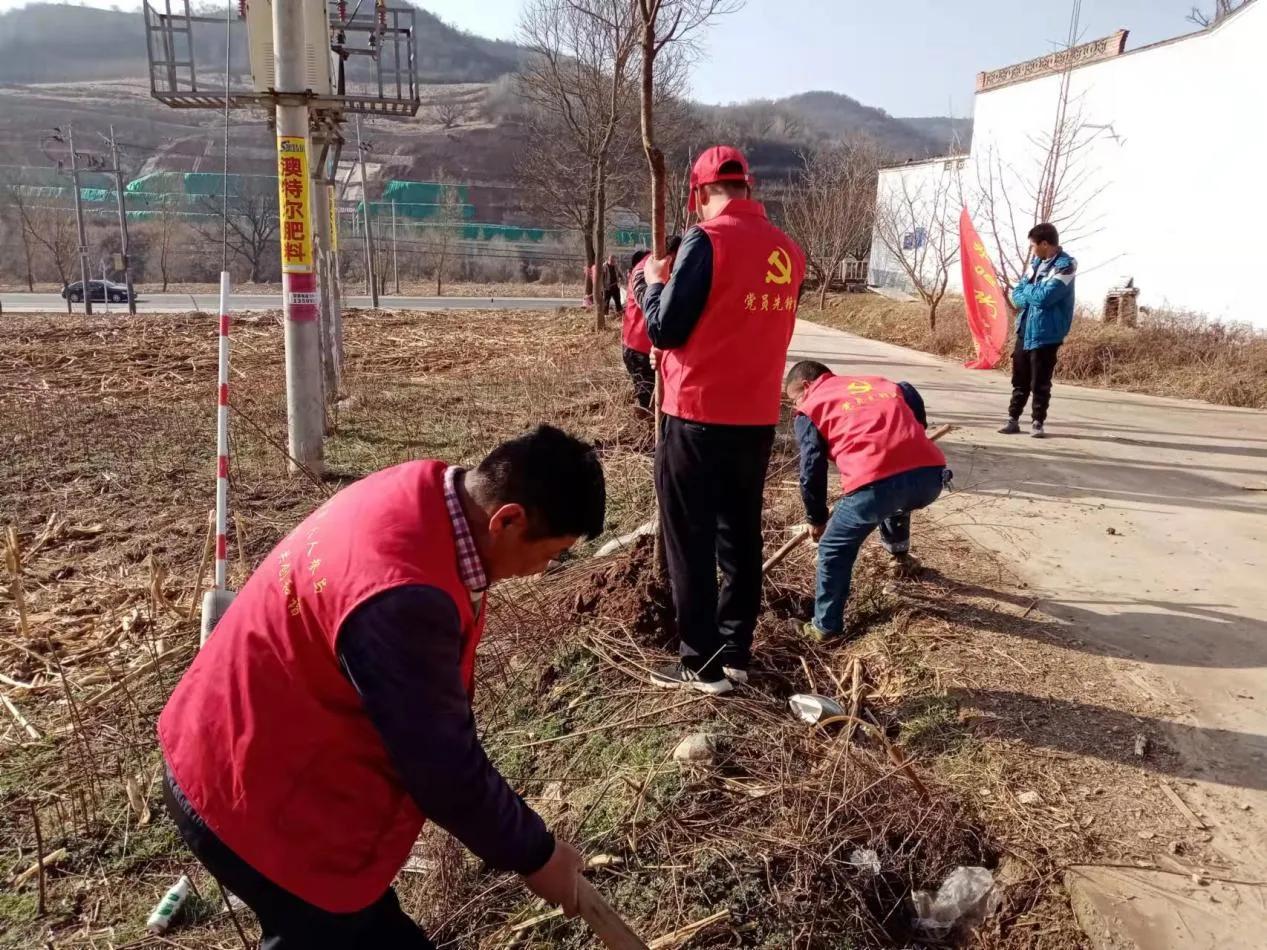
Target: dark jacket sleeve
402, 651
813, 469
915, 401
640, 287
673, 309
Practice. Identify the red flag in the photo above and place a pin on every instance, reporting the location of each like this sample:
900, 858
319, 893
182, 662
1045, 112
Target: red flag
988, 313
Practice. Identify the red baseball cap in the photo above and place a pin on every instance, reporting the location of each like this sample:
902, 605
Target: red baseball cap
707, 169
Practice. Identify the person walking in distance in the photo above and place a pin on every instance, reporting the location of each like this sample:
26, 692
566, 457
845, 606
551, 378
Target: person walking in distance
633, 333
1044, 302
329, 714
722, 320
873, 429
611, 285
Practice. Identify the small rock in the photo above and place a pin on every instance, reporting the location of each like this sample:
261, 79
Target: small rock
1200, 880
1148, 835
1028, 798
1110, 531
985, 793
1176, 847
698, 747
1246, 806
865, 859
1142, 745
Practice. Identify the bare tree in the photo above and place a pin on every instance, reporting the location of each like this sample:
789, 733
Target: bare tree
1222, 10
664, 23
252, 225
444, 229
831, 211
14, 210
47, 231
448, 113
166, 227
916, 225
577, 79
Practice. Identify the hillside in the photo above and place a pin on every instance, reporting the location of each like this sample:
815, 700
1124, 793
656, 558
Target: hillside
61, 64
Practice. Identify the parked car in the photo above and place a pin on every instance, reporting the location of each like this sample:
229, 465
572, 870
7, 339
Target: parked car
100, 289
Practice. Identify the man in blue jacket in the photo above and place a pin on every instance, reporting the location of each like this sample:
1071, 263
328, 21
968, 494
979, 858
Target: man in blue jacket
1044, 302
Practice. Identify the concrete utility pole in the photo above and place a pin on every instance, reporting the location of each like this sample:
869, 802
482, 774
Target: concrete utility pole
365, 214
123, 222
82, 248
305, 414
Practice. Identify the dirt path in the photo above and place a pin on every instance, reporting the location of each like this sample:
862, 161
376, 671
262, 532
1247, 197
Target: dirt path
1142, 523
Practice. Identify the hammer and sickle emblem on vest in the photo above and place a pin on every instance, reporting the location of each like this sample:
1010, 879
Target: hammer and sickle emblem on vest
782, 267
858, 387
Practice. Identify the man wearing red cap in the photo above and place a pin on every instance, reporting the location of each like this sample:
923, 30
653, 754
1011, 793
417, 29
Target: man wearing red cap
723, 320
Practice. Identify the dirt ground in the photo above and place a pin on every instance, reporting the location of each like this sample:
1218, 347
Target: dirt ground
423, 288
106, 473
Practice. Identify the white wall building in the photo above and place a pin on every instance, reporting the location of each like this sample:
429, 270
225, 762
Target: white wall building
1164, 179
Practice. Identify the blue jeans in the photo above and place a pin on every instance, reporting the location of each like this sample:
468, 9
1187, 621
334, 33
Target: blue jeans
887, 505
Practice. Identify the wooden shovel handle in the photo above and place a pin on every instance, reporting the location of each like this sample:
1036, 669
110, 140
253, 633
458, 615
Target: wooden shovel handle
608, 925
784, 551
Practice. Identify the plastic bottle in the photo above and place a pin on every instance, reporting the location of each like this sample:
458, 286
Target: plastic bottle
165, 910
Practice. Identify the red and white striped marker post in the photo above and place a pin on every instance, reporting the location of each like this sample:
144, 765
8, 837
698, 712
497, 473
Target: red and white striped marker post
216, 601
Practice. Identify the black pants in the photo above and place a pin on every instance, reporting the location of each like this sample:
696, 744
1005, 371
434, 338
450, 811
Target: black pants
612, 296
288, 922
710, 480
640, 371
1031, 373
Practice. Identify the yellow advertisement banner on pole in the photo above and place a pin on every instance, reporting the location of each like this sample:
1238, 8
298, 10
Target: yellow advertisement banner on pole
334, 218
293, 206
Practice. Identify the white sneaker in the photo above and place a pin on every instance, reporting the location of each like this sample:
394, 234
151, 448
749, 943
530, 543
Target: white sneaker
677, 676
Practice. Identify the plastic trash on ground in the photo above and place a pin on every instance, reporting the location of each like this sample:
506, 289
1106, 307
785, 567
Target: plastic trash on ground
865, 859
161, 917
967, 896
812, 708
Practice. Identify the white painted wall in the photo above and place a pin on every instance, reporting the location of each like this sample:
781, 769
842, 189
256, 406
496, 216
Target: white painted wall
1172, 174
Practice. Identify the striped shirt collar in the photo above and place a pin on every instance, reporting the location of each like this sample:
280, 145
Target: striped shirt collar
470, 567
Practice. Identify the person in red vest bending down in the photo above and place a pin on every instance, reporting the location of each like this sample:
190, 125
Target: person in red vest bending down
329, 714
633, 332
874, 430
723, 321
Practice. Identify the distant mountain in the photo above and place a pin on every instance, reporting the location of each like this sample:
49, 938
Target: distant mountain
57, 42
955, 135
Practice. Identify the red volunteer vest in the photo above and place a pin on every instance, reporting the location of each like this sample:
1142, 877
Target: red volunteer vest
266, 735
633, 332
871, 432
731, 369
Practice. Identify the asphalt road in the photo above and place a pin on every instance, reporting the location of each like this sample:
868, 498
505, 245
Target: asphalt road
175, 303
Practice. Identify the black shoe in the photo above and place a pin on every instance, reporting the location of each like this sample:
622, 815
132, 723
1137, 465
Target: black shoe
678, 676
1011, 427
1036, 431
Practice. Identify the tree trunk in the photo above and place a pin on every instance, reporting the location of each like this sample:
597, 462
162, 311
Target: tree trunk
932, 315
822, 295
655, 157
600, 247
590, 258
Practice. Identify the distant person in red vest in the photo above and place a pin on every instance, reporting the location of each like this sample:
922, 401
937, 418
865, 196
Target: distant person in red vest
329, 715
873, 429
611, 286
723, 320
633, 333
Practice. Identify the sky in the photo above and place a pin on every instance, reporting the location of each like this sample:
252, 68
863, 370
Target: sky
918, 57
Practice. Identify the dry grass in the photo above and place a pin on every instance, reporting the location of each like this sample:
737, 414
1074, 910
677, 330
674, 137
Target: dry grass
1182, 355
107, 471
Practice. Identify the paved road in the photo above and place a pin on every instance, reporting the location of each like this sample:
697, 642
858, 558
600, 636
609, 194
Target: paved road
1176, 596
175, 303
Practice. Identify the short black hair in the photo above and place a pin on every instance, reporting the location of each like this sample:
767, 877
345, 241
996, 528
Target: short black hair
1044, 234
556, 477
806, 371
638, 255
673, 244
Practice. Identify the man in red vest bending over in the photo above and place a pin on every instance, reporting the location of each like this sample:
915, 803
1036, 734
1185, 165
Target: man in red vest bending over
723, 321
329, 714
873, 429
